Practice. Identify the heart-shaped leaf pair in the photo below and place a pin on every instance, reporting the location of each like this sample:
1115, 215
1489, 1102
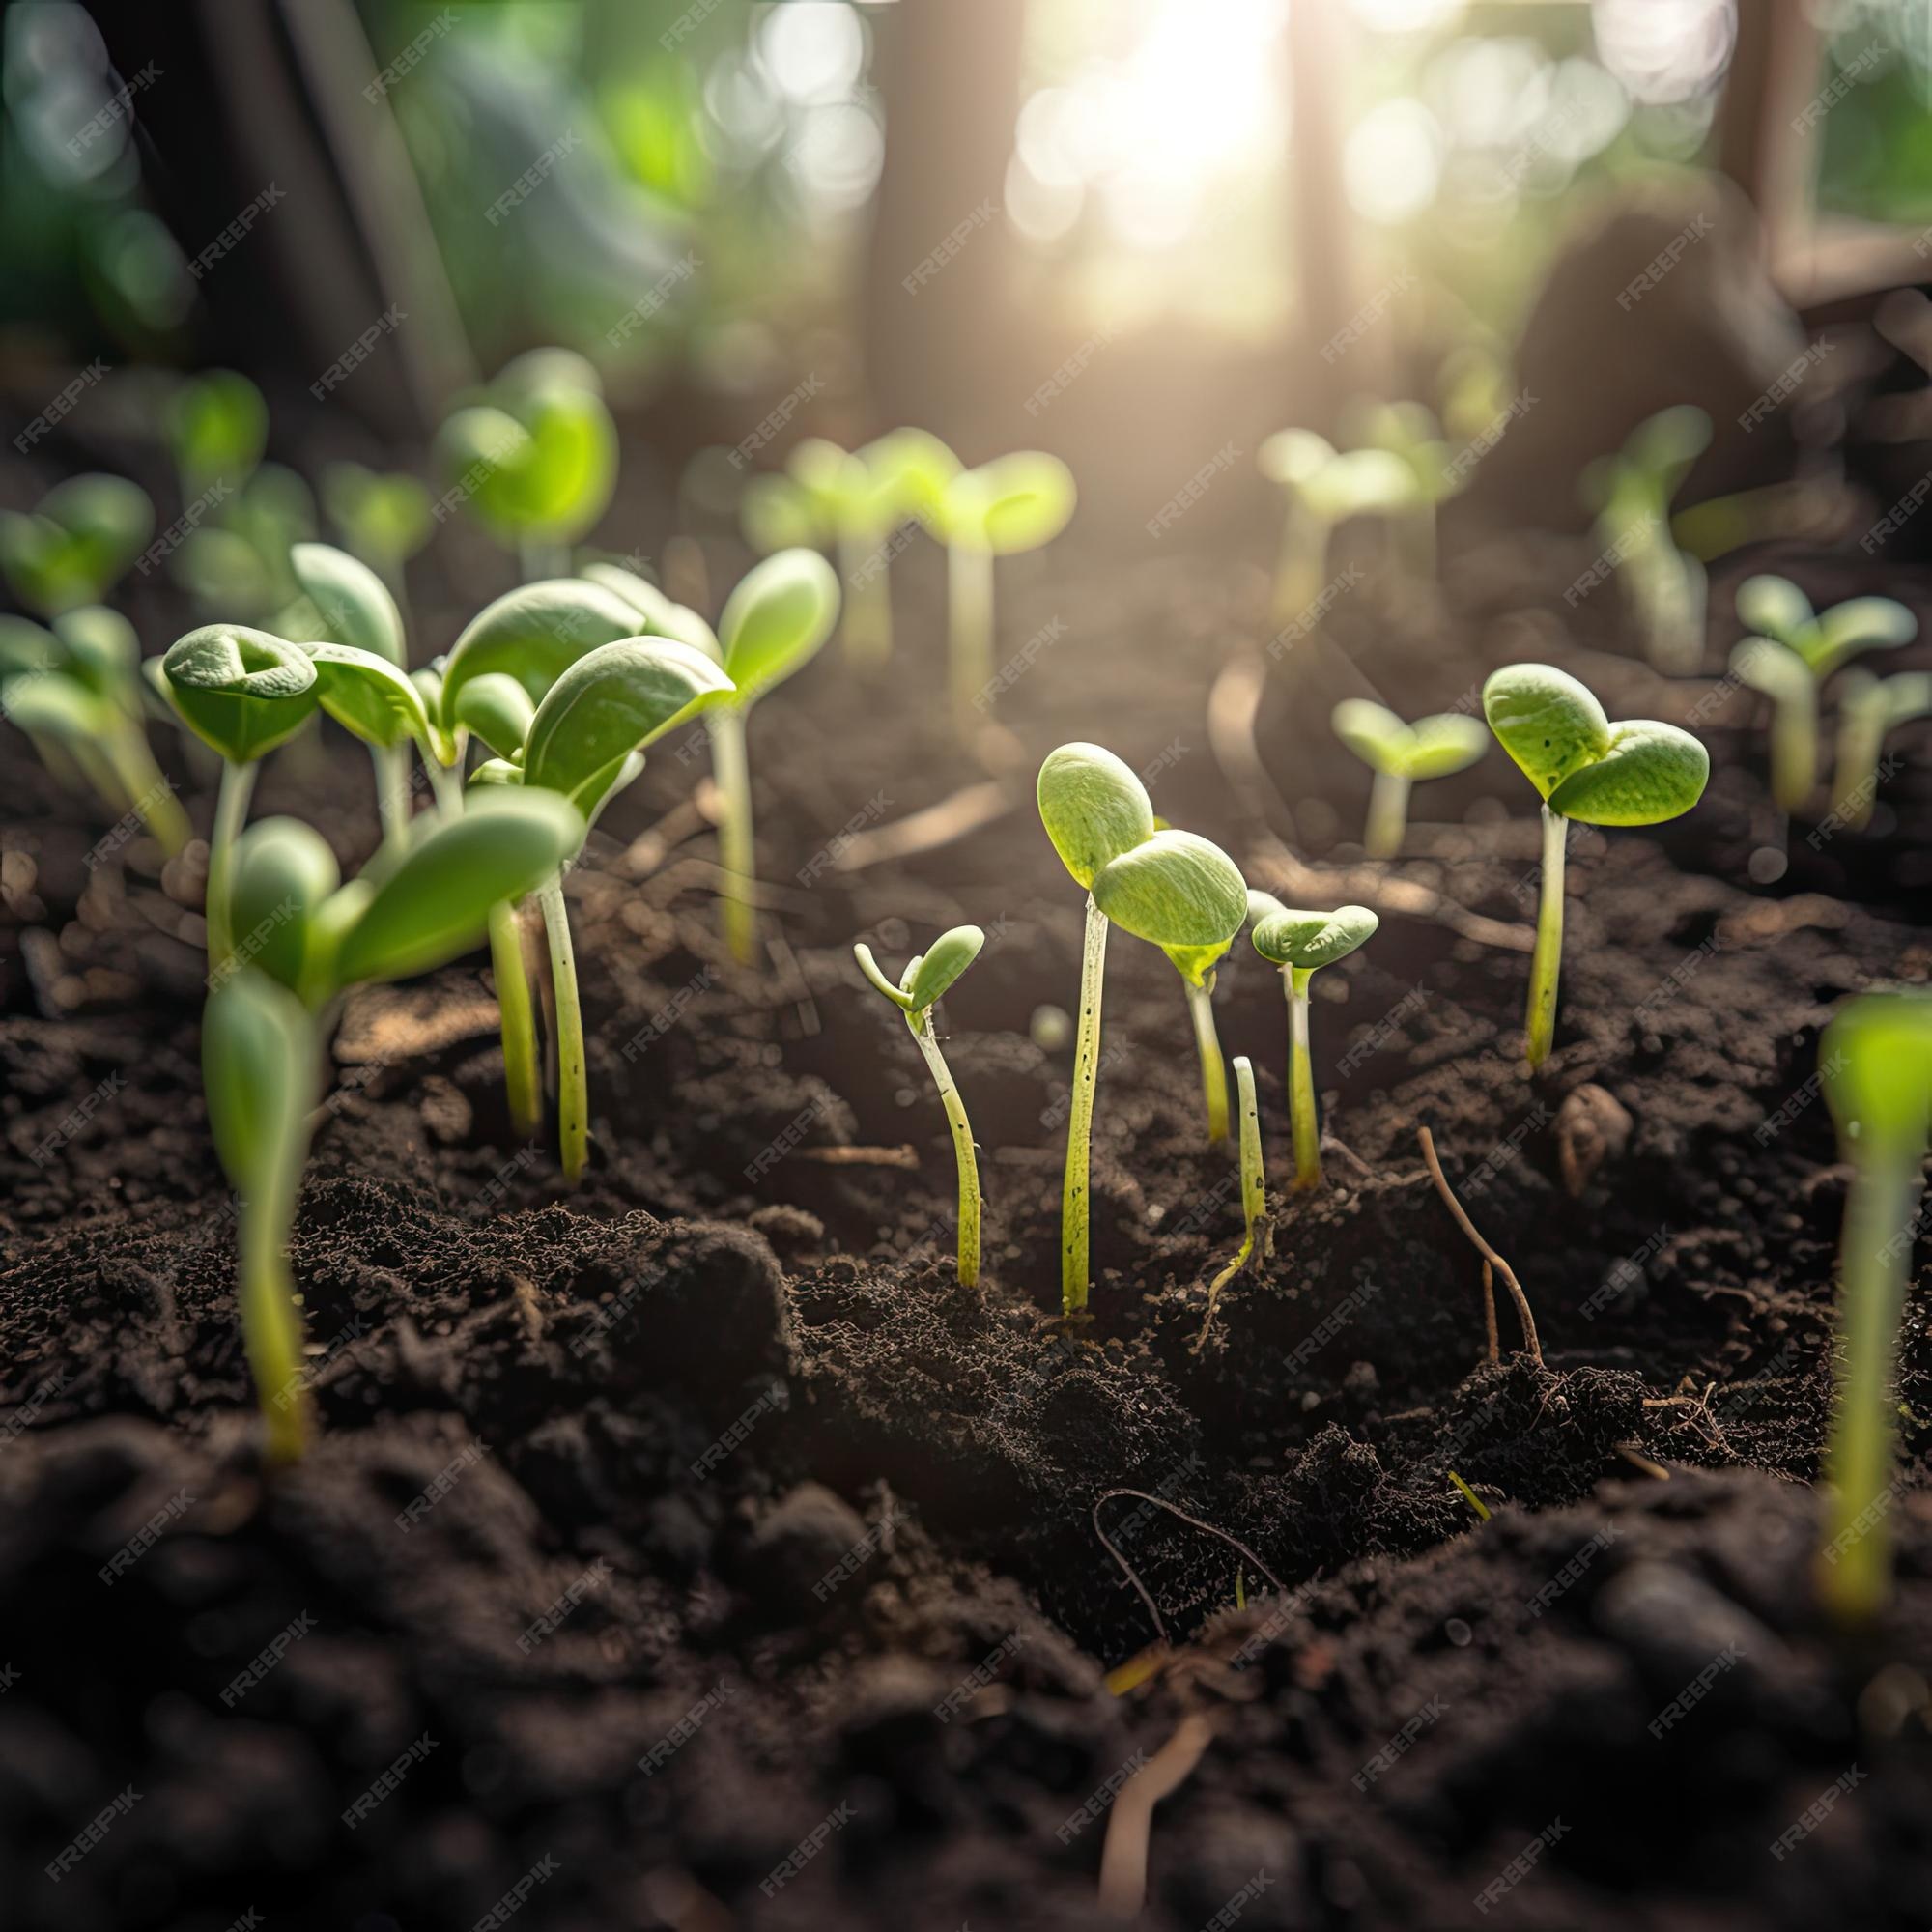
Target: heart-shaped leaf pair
1774, 608
927, 975
85, 534
1013, 503
1431, 748
1640, 773
1302, 941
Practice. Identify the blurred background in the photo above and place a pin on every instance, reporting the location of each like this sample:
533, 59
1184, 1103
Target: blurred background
1131, 232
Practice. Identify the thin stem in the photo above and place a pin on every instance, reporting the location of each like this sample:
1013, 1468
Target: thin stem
962, 1148
231, 812
1214, 1071
446, 783
1853, 1571
392, 790
1301, 1083
1074, 1190
1547, 961
1794, 749
271, 1322
969, 594
1855, 765
1388, 815
1304, 556
152, 797
731, 772
516, 1021
868, 627
572, 1077
1253, 1192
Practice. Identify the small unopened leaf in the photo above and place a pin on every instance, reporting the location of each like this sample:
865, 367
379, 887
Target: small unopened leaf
869, 966
1175, 889
943, 960
243, 691
775, 622
1650, 772
1094, 807
1546, 720
498, 710
353, 603
1306, 940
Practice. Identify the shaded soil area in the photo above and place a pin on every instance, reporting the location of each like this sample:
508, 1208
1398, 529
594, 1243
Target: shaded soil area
692, 1551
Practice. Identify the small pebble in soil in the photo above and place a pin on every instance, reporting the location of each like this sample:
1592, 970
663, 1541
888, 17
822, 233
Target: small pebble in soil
1767, 865
1457, 1633
1049, 1028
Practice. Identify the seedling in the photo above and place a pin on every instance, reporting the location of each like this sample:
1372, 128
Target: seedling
1300, 943
241, 693
1875, 1060
307, 939
534, 458
75, 690
1171, 888
1790, 653
73, 549
924, 983
1401, 755
1585, 768
1869, 709
1631, 495
1411, 432
1325, 488
385, 520
1013, 503
1257, 1240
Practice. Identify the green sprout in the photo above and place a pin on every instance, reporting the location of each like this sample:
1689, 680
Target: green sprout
1631, 494
1875, 1060
1411, 432
241, 693
924, 983
385, 520
1788, 656
1257, 1238
306, 939
1585, 768
1401, 755
1170, 887
1299, 943
74, 547
1325, 488
1015, 503
75, 690
534, 457
1869, 709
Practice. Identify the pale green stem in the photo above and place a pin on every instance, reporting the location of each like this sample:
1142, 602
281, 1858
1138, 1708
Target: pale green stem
1214, 1071
1254, 1191
731, 772
517, 1018
573, 1075
962, 1149
150, 794
1853, 1571
1074, 1191
1304, 557
1547, 961
969, 592
1666, 603
1855, 765
230, 812
446, 783
1301, 1083
868, 627
392, 790
1416, 538
1794, 749
1388, 815
271, 1322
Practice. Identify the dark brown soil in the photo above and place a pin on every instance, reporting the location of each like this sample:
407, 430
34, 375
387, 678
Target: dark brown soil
814, 1528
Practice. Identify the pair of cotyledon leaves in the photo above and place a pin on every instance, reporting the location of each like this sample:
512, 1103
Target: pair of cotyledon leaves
1808, 645
1337, 484
927, 975
1431, 748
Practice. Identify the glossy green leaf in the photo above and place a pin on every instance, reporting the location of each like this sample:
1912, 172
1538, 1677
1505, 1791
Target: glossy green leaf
499, 710
1546, 720
243, 691
436, 905
283, 873
1175, 889
1013, 503
1875, 1059
1650, 773
368, 696
1306, 940
775, 622
613, 702
256, 1046
658, 616
1094, 807
943, 960
353, 603
533, 634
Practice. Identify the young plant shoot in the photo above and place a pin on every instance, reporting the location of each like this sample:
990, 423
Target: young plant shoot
1409, 432
1325, 488
77, 692
1257, 1240
1401, 755
1013, 503
924, 983
1170, 887
1585, 768
1299, 943
1631, 494
1789, 654
73, 550
536, 457
1869, 709
306, 940
1875, 1059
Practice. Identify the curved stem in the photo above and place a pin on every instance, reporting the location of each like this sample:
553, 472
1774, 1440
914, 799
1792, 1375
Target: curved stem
517, 1018
1794, 751
1214, 1071
392, 790
1254, 1193
1547, 961
1301, 1083
731, 772
152, 797
1304, 556
1855, 767
1073, 1192
231, 812
1853, 1569
962, 1148
573, 1078
1388, 815
271, 1322
969, 598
